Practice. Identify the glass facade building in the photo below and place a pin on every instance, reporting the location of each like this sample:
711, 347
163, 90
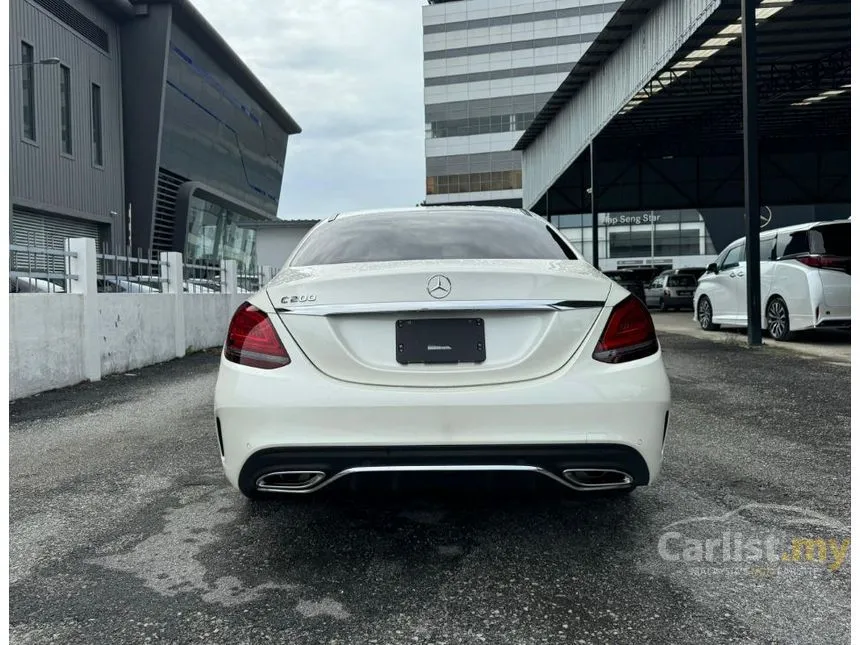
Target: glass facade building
217, 136
214, 132
489, 67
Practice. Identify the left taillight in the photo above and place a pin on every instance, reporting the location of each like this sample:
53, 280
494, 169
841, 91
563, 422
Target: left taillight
253, 341
629, 334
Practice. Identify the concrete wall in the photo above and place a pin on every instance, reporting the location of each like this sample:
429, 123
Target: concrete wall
56, 340
45, 350
136, 330
133, 329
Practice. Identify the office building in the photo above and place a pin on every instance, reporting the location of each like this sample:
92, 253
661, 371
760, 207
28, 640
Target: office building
489, 67
135, 123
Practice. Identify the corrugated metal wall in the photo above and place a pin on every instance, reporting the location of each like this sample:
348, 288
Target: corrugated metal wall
635, 63
39, 174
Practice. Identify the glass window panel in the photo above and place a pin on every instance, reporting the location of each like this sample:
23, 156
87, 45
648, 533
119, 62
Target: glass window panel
405, 236
96, 106
66, 109
28, 91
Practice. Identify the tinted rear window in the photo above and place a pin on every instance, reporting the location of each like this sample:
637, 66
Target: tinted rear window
682, 281
389, 237
833, 239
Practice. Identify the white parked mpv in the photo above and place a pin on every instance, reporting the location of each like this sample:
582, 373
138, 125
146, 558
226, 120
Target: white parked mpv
805, 281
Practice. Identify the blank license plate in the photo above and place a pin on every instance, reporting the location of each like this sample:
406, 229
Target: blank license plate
440, 340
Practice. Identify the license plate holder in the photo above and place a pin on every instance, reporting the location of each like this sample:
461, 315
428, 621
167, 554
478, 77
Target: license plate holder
440, 341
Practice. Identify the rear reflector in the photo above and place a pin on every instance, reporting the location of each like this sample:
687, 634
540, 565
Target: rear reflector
629, 334
253, 341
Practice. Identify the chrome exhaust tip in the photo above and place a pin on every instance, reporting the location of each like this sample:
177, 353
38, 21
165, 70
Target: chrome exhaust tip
597, 478
290, 481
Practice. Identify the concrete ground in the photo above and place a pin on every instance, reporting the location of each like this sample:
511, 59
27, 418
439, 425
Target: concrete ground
828, 344
123, 529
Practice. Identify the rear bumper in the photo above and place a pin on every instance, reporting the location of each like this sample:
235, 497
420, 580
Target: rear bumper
678, 301
289, 412
552, 461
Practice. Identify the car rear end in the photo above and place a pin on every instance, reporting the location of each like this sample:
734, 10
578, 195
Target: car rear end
830, 255
398, 344
678, 291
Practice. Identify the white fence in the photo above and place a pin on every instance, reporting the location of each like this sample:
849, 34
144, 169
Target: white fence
80, 334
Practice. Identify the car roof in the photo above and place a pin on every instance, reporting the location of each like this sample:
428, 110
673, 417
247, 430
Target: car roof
794, 228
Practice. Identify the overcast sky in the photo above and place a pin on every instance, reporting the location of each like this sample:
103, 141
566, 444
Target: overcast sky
350, 73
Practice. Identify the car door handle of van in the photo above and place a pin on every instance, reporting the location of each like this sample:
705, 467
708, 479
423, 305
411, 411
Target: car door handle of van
740, 274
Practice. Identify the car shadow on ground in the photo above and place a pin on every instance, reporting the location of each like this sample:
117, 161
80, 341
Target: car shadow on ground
416, 521
835, 337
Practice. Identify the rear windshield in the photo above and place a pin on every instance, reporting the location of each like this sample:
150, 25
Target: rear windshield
832, 239
388, 237
682, 281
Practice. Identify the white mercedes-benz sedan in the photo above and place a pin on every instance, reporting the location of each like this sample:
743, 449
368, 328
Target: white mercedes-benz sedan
440, 339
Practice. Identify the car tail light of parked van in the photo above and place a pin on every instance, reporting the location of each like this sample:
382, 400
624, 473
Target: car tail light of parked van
826, 262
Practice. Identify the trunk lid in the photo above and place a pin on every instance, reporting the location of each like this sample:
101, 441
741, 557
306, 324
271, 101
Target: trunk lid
534, 314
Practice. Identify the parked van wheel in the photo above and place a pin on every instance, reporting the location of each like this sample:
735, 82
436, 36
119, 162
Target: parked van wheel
777, 319
705, 314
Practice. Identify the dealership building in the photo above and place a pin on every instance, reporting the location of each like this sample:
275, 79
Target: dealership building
490, 68
136, 124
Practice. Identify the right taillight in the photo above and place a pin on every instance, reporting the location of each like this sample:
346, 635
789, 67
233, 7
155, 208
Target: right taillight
629, 334
253, 341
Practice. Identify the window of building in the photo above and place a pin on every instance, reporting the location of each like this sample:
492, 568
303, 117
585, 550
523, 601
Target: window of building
66, 109
475, 182
98, 150
28, 91
478, 125
671, 242
217, 233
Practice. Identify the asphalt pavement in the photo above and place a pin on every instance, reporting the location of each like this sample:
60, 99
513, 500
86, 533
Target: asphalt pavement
123, 530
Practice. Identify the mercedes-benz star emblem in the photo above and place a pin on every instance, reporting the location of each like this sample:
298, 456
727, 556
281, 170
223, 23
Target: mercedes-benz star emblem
438, 286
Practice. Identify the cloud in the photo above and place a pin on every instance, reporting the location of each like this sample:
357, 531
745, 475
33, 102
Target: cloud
350, 73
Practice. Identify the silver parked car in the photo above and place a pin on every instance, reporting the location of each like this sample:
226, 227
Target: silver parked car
671, 291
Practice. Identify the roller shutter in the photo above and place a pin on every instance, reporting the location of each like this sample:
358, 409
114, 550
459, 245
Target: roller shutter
46, 231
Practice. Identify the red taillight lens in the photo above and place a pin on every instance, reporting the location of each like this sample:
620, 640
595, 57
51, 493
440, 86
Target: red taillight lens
824, 262
253, 341
628, 335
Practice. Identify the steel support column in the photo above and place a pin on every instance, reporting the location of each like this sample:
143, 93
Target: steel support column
595, 257
752, 200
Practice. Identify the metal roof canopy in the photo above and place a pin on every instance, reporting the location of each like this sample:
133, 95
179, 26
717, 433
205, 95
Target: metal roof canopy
678, 142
